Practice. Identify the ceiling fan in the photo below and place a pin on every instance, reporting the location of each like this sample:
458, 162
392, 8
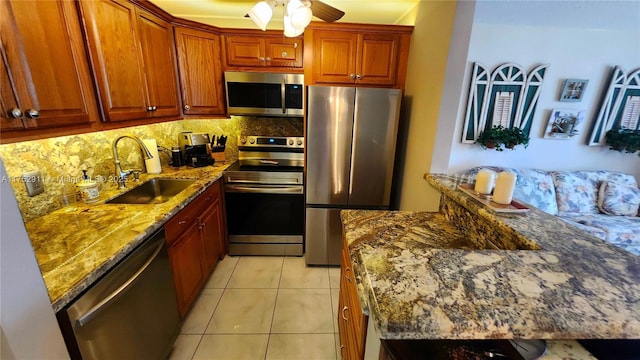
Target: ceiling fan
297, 14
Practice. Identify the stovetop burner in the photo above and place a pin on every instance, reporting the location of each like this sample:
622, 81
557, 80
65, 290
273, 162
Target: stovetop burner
268, 160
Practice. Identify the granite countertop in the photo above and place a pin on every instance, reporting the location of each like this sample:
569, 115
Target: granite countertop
75, 248
420, 276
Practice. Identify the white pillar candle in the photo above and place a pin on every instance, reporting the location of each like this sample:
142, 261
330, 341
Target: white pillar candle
484, 181
152, 165
505, 184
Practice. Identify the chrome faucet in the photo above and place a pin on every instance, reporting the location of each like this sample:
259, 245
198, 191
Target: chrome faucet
121, 175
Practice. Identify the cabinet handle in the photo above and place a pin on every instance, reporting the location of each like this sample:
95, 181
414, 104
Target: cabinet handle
261, 58
295, 45
149, 108
187, 107
342, 313
269, 59
182, 222
359, 77
34, 114
15, 113
348, 278
284, 54
352, 76
155, 108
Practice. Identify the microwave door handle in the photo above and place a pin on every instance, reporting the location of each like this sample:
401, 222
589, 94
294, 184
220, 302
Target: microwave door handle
282, 94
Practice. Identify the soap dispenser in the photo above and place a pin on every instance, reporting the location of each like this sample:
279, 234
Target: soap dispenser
89, 192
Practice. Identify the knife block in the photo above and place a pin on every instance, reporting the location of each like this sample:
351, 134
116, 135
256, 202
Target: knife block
218, 156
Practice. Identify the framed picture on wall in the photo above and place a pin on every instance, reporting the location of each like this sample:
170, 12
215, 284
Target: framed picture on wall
573, 90
563, 124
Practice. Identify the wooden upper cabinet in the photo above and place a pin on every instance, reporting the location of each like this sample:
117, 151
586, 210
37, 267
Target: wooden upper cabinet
334, 56
200, 72
156, 36
132, 58
263, 51
117, 62
367, 55
284, 52
45, 73
377, 61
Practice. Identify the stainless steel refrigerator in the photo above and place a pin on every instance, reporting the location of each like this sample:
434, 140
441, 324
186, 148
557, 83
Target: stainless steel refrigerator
350, 150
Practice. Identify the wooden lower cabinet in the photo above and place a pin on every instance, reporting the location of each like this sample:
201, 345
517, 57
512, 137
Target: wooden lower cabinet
188, 272
195, 237
213, 236
352, 323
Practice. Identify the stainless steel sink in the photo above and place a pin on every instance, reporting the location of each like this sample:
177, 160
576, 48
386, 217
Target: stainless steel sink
154, 191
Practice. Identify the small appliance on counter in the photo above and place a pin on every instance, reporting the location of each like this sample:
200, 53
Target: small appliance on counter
195, 149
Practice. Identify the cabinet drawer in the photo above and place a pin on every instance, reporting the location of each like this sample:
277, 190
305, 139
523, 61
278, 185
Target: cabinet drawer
181, 221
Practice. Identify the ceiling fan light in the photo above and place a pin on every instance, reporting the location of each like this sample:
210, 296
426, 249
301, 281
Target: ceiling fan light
289, 30
301, 17
261, 14
292, 5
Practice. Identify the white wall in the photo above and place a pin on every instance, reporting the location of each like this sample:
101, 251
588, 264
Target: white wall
579, 40
29, 328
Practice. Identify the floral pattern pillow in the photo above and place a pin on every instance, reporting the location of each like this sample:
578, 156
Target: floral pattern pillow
618, 199
535, 187
576, 192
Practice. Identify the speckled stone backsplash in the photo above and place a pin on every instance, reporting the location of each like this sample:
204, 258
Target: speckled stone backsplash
61, 160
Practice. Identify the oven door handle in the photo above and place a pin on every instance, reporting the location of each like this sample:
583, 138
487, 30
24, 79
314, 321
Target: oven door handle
263, 189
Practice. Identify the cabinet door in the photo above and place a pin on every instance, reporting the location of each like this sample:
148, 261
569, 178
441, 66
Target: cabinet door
11, 114
334, 55
156, 36
284, 52
188, 272
116, 57
45, 64
200, 72
211, 227
245, 51
377, 61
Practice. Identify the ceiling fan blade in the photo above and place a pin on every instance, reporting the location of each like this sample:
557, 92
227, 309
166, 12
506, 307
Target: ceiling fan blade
325, 12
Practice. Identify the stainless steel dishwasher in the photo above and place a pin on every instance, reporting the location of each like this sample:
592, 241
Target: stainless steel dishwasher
130, 313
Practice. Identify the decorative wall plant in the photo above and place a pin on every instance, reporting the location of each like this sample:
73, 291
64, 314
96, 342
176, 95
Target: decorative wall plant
506, 97
620, 107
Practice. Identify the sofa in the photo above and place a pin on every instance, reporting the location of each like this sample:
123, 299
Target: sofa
605, 204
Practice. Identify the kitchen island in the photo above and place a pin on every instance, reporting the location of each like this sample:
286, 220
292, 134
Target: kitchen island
76, 248
470, 273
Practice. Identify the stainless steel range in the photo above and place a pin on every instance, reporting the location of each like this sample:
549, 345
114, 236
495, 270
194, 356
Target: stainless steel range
264, 196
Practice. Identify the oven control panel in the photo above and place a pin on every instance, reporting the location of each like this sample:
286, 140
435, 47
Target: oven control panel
271, 141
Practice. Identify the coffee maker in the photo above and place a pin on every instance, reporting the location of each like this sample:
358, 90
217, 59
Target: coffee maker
195, 149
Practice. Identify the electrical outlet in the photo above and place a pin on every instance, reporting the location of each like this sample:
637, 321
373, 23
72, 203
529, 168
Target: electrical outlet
33, 182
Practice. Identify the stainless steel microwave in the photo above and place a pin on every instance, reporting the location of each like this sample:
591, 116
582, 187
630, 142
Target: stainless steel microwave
264, 94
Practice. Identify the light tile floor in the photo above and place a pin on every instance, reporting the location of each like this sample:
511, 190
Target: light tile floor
263, 308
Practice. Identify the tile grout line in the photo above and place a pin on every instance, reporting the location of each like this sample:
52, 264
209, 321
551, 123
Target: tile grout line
221, 295
273, 314
204, 332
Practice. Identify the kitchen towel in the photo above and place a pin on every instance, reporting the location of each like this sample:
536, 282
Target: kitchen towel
153, 164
